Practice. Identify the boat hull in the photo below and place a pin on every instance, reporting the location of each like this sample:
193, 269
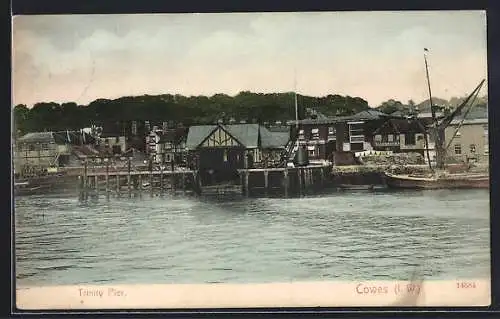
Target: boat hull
461, 181
46, 185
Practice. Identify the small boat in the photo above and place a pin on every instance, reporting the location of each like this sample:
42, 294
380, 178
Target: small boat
26, 188
438, 181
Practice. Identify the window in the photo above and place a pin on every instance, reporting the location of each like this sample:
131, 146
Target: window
356, 129
331, 130
225, 155
390, 138
301, 134
458, 149
315, 133
356, 132
410, 139
473, 148
378, 138
311, 150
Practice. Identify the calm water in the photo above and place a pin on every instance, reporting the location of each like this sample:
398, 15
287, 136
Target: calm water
342, 236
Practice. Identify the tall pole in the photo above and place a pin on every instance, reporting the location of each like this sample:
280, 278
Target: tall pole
429, 86
437, 137
297, 143
295, 100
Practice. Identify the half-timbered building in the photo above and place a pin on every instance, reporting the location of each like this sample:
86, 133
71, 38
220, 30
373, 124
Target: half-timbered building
219, 151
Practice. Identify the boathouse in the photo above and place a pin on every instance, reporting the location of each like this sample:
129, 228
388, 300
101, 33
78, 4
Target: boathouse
219, 151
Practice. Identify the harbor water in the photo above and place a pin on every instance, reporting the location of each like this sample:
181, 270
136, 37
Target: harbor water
339, 236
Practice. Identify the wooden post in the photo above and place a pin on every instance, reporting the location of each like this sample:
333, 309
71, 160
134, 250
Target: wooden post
266, 181
173, 180
96, 182
151, 177
247, 189
198, 182
80, 187
322, 177
117, 184
183, 182
161, 180
285, 181
85, 173
107, 177
140, 185
299, 175
128, 178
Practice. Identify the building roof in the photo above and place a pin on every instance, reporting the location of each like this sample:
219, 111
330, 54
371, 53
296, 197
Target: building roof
246, 134
366, 115
37, 137
400, 126
475, 113
469, 121
273, 140
63, 137
369, 115
174, 135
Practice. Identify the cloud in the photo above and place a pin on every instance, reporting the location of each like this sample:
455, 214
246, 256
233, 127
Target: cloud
373, 55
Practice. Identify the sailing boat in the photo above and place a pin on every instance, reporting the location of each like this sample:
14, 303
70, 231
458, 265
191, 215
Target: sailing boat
439, 177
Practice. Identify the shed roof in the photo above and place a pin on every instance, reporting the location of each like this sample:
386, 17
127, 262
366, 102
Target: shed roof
197, 134
247, 134
273, 140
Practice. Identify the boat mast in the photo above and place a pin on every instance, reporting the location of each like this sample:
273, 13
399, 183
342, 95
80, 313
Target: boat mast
295, 97
426, 140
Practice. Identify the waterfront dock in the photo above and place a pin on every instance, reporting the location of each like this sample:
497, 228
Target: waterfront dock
285, 182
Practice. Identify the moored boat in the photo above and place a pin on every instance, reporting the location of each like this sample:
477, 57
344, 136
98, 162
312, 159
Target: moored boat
440, 178
435, 181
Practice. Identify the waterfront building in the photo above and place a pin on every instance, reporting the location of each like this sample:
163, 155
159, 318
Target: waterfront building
37, 151
468, 140
112, 144
220, 150
167, 146
403, 136
331, 137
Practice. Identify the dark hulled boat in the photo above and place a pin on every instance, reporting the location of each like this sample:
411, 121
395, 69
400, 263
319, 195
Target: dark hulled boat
45, 184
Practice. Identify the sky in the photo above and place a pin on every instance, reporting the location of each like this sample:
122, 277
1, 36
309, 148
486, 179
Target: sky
373, 55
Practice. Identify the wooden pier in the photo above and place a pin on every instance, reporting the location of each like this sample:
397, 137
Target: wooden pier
282, 182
